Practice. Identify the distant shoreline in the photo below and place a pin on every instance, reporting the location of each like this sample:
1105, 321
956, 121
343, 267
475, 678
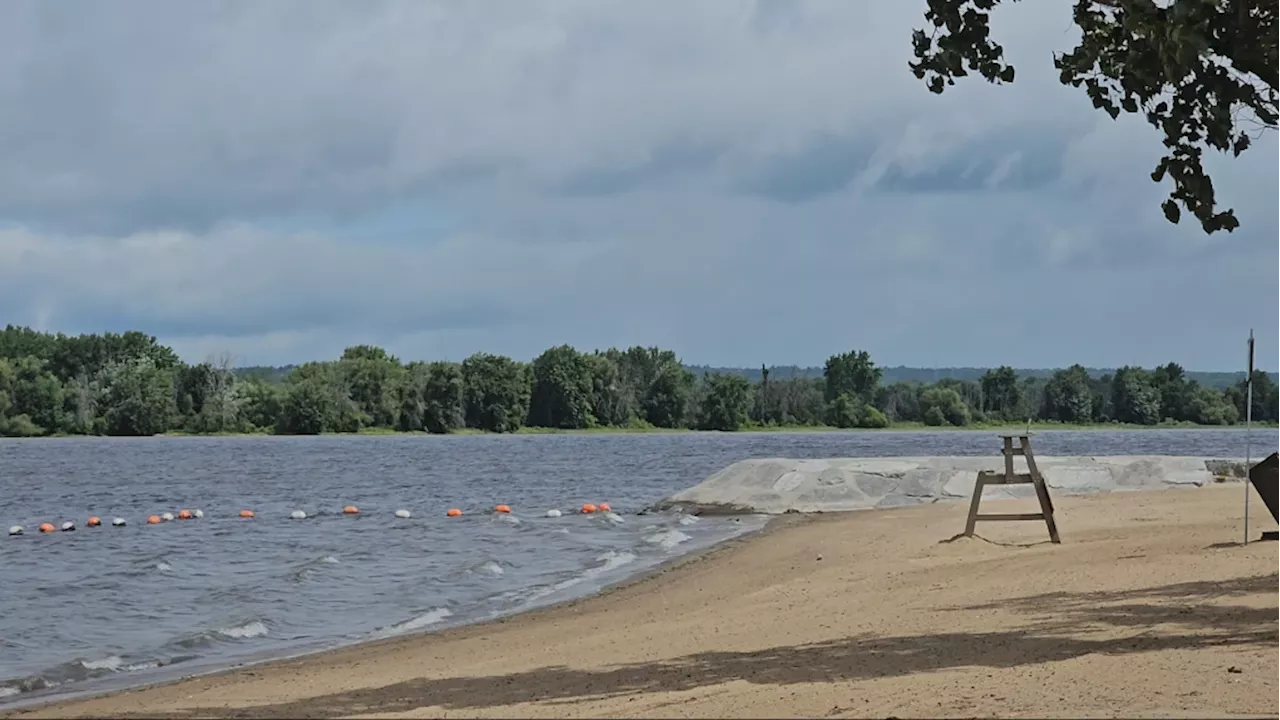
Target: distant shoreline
796, 429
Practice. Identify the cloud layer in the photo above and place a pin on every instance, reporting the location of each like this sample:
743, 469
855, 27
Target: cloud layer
744, 182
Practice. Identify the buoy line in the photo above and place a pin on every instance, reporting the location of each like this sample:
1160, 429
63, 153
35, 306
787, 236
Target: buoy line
95, 521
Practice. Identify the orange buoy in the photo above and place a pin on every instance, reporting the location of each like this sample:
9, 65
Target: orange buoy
246, 513
503, 509
454, 512
351, 510
153, 519
94, 521
604, 507
588, 508
184, 514
47, 527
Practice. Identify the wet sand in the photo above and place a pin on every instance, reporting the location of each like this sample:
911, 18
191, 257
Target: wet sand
1149, 608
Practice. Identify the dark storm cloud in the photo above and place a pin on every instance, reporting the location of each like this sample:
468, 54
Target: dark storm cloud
744, 182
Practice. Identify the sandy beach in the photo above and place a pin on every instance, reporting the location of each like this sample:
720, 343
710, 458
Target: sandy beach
1149, 608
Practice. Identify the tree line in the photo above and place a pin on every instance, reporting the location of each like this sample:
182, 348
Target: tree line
130, 384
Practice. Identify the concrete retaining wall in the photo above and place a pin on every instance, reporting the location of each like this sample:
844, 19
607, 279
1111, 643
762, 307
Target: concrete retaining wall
778, 486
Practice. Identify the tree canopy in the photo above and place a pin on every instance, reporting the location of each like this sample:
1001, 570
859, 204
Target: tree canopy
1201, 72
132, 385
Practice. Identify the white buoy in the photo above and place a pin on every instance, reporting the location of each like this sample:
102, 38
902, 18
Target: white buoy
403, 514
166, 517
118, 522
553, 513
16, 530
197, 513
68, 526
297, 515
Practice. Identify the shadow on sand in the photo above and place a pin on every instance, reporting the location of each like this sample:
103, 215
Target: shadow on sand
1185, 622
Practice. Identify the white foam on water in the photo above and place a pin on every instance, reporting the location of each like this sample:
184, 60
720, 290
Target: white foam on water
614, 518
491, 568
330, 560
667, 539
8, 692
425, 620
142, 666
163, 566
688, 519
612, 561
111, 663
242, 632
512, 519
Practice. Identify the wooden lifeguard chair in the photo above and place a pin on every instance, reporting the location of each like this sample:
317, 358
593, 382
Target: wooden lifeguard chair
1009, 477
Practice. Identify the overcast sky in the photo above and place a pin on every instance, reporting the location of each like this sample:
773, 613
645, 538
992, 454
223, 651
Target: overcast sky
742, 181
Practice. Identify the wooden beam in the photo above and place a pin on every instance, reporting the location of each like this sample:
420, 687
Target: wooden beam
1011, 516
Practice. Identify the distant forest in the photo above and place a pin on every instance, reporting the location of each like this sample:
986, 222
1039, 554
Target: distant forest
130, 384
890, 375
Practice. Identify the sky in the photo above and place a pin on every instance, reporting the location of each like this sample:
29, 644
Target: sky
741, 181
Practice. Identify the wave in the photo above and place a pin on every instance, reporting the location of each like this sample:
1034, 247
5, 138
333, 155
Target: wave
73, 672
242, 632
667, 539
303, 571
425, 620
611, 560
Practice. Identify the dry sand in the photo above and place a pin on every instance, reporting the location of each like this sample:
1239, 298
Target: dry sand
1148, 608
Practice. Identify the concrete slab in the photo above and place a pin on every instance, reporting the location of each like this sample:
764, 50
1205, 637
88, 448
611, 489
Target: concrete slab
778, 485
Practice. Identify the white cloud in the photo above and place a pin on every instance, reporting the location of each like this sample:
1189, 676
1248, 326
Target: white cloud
741, 181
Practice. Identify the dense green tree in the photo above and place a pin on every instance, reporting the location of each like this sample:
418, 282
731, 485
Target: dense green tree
662, 387
443, 398
261, 404
36, 393
307, 408
1175, 390
851, 412
496, 391
373, 379
1202, 72
1134, 398
797, 401
944, 402
900, 402
138, 399
317, 399
726, 402
612, 401
1068, 396
562, 389
1206, 407
853, 374
1001, 394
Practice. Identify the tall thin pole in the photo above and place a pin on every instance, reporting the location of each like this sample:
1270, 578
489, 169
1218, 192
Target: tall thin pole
1248, 432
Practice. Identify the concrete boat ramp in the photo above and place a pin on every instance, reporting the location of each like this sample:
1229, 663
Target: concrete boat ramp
775, 486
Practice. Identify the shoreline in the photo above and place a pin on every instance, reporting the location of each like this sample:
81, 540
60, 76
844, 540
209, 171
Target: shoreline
19, 708
761, 624
790, 429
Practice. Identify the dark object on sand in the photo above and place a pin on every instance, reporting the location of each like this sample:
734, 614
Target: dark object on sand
1263, 477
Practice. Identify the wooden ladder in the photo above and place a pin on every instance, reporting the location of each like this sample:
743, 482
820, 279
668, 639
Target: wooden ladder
1009, 477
